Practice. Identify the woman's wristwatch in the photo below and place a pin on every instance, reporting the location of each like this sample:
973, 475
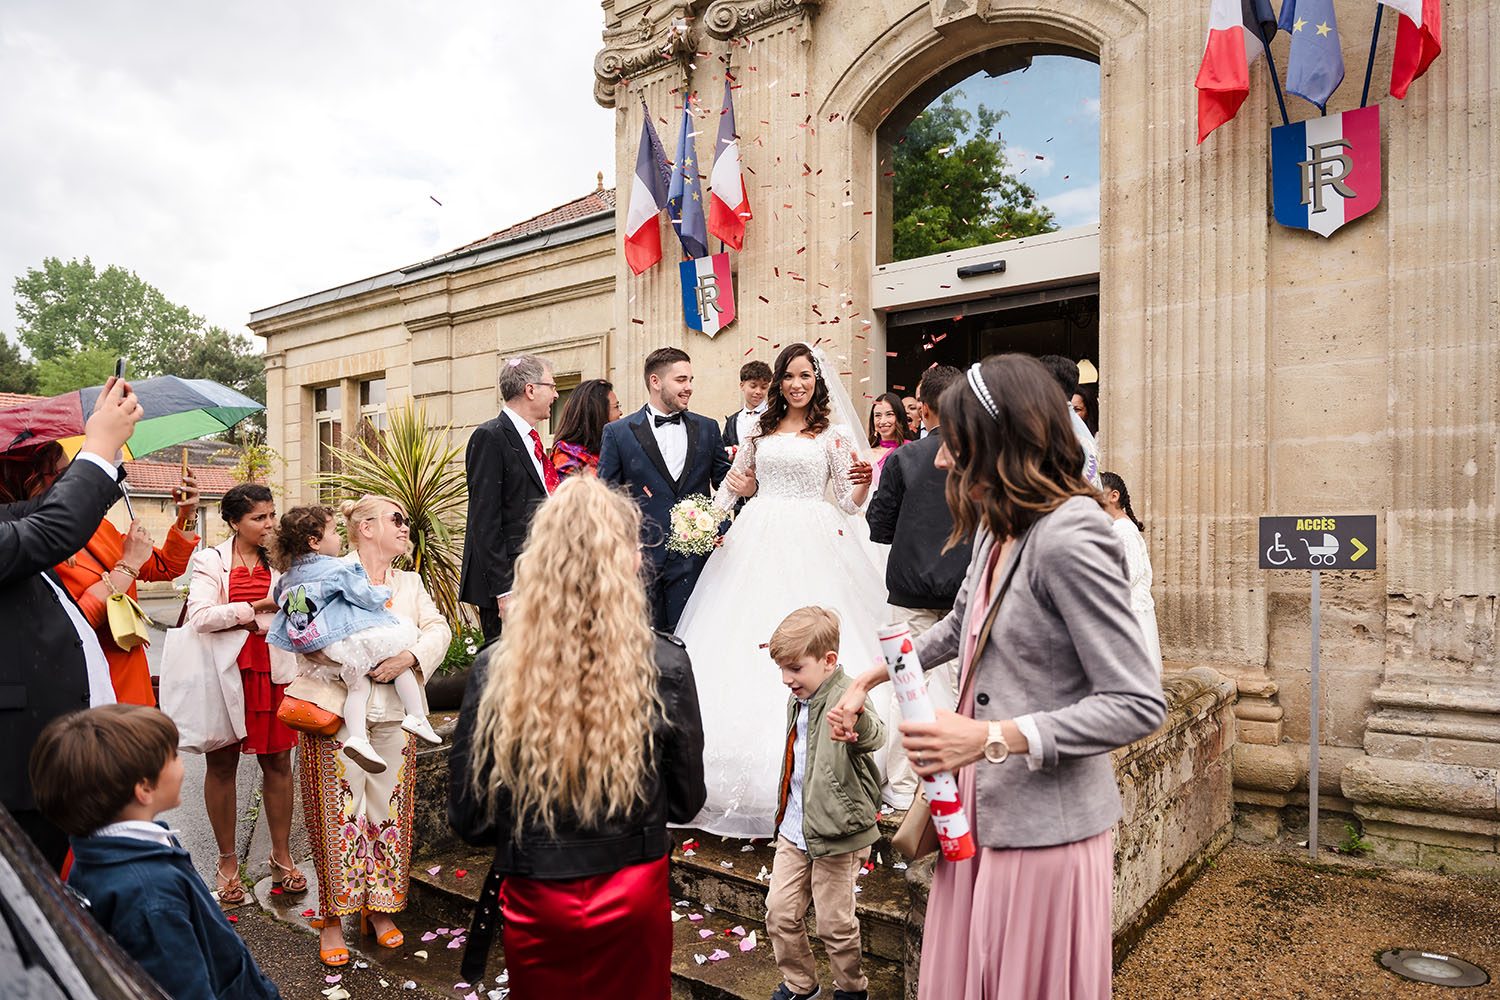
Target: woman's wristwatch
995, 750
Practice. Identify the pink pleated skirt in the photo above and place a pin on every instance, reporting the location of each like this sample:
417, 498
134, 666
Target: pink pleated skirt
1022, 924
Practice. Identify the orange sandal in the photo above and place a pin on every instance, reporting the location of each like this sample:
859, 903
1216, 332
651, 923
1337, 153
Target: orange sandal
333, 958
230, 891
291, 882
392, 938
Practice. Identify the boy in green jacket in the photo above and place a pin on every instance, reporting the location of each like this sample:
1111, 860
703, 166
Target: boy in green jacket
825, 818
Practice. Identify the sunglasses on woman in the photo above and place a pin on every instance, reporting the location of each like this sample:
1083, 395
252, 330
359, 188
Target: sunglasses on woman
397, 518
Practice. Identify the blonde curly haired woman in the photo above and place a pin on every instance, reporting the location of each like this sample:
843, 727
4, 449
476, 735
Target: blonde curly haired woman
579, 740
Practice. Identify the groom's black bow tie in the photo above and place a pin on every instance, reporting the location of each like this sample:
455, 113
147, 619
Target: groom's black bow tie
675, 418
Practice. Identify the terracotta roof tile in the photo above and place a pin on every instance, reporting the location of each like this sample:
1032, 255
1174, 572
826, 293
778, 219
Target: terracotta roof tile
9, 399
162, 477
593, 203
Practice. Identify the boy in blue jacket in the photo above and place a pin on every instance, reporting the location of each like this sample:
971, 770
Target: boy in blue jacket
103, 775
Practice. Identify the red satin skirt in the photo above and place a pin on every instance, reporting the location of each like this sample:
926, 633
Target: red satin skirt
605, 936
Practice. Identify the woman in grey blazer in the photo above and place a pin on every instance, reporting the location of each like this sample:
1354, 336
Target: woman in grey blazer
1062, 678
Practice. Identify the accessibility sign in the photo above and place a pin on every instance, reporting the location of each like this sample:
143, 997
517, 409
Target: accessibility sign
1318, 541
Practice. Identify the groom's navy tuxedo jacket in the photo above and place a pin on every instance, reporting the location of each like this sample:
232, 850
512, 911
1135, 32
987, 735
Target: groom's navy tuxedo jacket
630, 457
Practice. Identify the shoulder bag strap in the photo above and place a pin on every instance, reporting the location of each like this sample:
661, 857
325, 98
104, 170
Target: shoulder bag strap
989, 619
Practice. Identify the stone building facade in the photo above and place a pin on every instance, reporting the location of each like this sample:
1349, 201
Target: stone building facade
1246, 369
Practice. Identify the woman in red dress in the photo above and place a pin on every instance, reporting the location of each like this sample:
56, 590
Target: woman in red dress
231, 592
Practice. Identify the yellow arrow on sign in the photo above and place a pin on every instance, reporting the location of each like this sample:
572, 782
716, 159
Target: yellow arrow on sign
1360, 548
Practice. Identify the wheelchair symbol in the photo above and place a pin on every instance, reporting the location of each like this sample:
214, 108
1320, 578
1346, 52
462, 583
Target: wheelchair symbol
1322, 555
1278, 554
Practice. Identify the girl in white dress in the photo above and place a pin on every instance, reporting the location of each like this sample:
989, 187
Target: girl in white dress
1137, 559
790, 547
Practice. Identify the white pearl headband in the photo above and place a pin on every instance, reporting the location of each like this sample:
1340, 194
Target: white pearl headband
976, 382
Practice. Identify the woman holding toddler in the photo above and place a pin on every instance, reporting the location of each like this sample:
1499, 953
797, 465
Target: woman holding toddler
359, 820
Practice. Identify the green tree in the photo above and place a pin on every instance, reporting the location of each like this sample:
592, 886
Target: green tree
17, 373
72, 315
70, 307
74, 371
954, 187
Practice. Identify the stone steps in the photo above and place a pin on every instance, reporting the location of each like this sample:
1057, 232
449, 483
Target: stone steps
722, 898
721, 874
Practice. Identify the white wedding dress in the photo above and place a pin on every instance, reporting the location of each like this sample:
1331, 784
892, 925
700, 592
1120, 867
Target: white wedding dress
790, 547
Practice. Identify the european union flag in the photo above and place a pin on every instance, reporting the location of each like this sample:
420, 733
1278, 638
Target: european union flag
1315, 67
685, 193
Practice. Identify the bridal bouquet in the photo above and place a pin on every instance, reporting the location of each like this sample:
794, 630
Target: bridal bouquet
695, 526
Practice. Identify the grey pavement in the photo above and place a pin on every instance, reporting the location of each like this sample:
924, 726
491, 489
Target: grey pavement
190, 820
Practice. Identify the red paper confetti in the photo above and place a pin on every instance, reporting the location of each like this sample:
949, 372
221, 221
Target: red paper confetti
460, 872
232, 919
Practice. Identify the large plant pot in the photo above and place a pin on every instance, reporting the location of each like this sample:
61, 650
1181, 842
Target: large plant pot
445, 692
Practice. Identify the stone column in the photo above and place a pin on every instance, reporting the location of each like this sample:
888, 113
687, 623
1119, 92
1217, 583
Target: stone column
1429, 789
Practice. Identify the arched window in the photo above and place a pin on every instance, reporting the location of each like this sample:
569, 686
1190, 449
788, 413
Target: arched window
998, 147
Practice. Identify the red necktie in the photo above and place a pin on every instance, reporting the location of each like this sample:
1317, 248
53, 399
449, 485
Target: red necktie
549, 471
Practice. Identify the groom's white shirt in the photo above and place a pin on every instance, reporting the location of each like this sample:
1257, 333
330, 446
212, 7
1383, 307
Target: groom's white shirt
671, 439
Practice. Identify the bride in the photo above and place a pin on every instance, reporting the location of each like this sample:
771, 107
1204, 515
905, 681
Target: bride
790, 547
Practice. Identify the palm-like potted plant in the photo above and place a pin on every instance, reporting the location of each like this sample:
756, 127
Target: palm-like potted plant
419, 467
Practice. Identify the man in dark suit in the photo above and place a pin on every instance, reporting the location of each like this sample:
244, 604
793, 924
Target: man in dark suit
509, 474
755, 381
663, 453
46, 669
909, 512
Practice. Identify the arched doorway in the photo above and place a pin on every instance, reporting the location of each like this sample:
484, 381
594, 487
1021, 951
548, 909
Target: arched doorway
988, 196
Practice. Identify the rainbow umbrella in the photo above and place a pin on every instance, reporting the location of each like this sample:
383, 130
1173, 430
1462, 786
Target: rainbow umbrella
176, 410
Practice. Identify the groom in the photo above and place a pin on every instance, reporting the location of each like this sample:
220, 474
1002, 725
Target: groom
663, 453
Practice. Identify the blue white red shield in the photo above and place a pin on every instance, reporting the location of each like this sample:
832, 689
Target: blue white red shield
707, 293
1325, 172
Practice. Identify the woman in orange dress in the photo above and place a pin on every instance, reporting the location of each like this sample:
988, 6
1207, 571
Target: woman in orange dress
112, 562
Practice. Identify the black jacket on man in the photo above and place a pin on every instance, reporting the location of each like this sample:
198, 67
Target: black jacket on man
731, 433
674, 789
504, 492
42, 672
909, 512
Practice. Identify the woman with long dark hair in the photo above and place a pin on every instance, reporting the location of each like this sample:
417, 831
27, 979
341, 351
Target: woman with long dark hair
580, 429
578, 741
1055, 675
1137, 559
790, 547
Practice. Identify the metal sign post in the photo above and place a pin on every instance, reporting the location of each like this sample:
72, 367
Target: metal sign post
1316, 542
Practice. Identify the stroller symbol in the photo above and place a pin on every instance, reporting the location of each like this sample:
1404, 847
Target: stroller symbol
1322, 555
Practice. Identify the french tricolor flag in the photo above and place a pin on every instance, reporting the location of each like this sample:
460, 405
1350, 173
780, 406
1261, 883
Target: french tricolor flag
1419, 39
728, 205
1238, 31
648, 196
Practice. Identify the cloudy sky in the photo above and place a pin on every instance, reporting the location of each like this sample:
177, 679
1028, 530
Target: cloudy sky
236, 155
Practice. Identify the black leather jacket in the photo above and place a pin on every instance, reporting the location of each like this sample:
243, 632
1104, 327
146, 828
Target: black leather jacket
674, 789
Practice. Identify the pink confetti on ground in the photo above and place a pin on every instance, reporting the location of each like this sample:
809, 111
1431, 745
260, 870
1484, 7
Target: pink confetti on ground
695, 917
429, 936
434, 869
718, 956
705, 934
332, 979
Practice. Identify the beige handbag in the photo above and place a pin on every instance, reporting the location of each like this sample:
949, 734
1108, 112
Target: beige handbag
916, 837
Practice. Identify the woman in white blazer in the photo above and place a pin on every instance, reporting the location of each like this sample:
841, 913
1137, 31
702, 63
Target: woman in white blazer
229, 602
359, 824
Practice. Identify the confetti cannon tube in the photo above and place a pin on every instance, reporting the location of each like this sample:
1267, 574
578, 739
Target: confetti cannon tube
941, 789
